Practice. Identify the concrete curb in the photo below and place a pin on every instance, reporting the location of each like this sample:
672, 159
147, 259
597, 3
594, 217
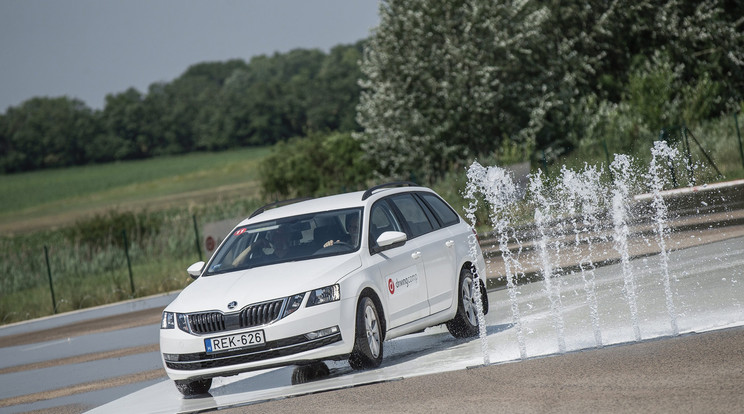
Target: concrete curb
47, 322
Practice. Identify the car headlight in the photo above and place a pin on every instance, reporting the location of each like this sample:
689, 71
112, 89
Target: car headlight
324, 295
168, 321
293, 304
171, 319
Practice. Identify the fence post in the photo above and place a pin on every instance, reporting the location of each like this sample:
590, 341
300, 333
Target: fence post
606, 151
738, 134
690, 174
196, 232
129, 263
663, 136
49, 273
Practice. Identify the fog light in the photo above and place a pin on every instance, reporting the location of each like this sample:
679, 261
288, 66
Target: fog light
170, 357
321, 333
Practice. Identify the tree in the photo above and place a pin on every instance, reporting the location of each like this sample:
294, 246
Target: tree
448, 80
439, 82
47, 133
122, 121
332, 105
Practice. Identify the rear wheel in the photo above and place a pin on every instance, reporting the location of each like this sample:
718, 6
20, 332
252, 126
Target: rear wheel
367, 352
194, 387
465, 322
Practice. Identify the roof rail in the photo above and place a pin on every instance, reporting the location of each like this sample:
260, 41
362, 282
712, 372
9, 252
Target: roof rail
278, 204
393, 184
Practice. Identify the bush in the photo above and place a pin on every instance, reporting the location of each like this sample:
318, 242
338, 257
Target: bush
107, 228
314, 166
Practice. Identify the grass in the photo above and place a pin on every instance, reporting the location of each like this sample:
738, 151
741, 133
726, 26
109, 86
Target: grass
113, 285
52, 198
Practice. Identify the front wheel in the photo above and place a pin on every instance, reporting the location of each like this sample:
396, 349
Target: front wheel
190, 388
465, 322
311, 372
367, 352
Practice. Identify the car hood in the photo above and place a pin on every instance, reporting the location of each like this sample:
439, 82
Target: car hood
263, 283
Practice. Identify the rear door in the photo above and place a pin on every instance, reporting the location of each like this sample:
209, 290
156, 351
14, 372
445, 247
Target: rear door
433, 246
442, 268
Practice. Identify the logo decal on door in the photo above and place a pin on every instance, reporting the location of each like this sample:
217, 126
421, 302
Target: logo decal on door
403, 281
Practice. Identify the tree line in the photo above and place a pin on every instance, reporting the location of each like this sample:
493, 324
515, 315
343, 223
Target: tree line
211, 106
437, 83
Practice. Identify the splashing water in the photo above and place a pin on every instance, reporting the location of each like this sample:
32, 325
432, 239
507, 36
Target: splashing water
497, 186
661, 153
552, 288
582, 194
572, 214
474, 177
621, 173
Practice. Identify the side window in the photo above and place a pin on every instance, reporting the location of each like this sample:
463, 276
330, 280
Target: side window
381, 219
443, 212
413, 214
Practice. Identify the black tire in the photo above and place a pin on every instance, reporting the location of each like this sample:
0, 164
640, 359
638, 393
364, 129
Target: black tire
194, 387
484, 297
310, 372
367, 352
465, 322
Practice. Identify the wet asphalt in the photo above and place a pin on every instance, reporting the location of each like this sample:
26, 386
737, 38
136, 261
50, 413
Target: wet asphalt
694, 373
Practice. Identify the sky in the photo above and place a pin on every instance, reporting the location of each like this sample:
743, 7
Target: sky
86, 49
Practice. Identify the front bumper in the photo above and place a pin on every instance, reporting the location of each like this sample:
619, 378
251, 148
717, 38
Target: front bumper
185, 357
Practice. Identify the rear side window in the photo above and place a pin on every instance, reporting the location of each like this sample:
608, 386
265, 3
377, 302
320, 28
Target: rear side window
413, 214
443, 212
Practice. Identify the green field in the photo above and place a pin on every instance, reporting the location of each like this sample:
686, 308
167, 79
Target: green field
55, 198
79, 216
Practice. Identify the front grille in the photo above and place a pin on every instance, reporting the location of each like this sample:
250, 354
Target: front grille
207, 322
252, 315
260, 314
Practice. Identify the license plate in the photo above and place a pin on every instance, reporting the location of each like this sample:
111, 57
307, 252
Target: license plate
237, 341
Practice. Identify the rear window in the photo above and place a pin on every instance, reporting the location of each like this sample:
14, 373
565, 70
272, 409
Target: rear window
413, 214
444, 213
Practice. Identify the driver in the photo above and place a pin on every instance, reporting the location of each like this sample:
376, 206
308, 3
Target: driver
352, 227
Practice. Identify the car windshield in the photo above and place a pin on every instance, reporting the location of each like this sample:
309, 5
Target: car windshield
304, 237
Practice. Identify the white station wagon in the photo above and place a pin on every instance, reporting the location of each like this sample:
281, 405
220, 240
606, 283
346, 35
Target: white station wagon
323, 279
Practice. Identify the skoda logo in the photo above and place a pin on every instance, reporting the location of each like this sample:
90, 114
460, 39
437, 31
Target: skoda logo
232, 305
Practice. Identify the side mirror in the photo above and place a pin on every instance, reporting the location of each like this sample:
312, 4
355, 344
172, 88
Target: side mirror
195, 269
390, 239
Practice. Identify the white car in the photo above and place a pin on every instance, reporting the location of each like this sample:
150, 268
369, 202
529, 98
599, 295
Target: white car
324, 279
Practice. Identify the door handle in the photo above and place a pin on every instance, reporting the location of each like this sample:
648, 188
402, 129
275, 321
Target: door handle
449, 243
416, 255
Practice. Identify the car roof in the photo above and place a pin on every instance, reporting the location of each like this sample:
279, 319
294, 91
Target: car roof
328, 203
